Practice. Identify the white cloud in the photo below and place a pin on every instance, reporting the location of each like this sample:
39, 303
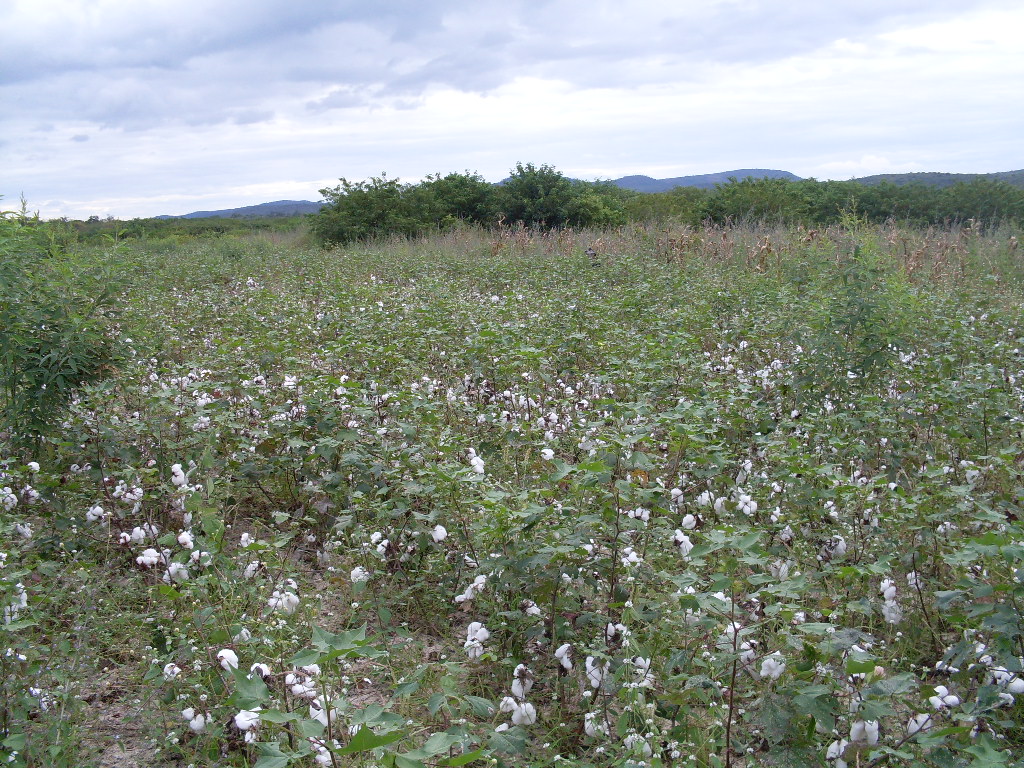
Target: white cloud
130, 107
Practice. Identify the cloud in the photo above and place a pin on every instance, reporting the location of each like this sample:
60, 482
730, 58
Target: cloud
186, 98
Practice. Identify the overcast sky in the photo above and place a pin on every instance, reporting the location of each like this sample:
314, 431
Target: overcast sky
143, 107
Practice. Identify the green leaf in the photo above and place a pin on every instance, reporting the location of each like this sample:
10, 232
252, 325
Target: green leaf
277, 716
466, 758
510, 742
249, 692
365, 740
272, 761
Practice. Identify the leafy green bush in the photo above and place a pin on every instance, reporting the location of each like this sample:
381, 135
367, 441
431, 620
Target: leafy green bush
55, 322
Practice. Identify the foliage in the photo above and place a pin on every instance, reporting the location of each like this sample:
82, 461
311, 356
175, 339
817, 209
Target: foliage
55, 315
397, 504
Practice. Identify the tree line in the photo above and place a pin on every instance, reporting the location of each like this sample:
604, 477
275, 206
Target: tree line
542, 197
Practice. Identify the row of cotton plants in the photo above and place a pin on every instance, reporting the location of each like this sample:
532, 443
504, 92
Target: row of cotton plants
423, 506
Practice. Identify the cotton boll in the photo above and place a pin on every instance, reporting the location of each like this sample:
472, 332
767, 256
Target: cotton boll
359, 574
524, 714
773, 666
171, 671
864, 732
522, 681
177, 475
439, 534
247, 719
919, 723
564, 656
228, 659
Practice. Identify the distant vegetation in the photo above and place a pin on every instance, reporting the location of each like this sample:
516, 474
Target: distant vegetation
542, 198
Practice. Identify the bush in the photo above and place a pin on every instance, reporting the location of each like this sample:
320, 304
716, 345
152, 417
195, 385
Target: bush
54, 322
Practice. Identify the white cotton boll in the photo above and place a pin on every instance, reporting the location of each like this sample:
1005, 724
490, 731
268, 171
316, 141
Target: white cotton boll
251, 569
720, 504
682, 541
95, 514
186, 540
474, 649
773, 666
564, 656
247, 719
593, 724
177, 475
478, 464
261, 669
171, 671
33, 466
359, 574
919, 723
439, 534
943, 698
892, 612
747, 505
522, 681
688, 523
524, 714
228, 659
283, 602
834, 752
864, 732
245, 540
477, 631
176, 573
24, 530
148, 558
888, 589
595, 671
634, 742
507, 704
197, 723
547, 454
705, 499
8, 498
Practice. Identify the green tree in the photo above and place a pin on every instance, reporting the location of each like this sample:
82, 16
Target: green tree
538, 197
459, 197
377, 207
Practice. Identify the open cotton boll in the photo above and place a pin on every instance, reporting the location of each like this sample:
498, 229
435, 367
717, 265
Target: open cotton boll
864, 732
439, 534
564, 656
773, 666
247, 719
177, 475
522, 681
228, 659
524, 714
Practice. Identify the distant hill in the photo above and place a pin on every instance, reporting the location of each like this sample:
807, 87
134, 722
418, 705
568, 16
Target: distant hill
278, 208
701, 181
647, 184
941, 180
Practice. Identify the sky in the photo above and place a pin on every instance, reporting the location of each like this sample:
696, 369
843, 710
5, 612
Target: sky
135, 108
